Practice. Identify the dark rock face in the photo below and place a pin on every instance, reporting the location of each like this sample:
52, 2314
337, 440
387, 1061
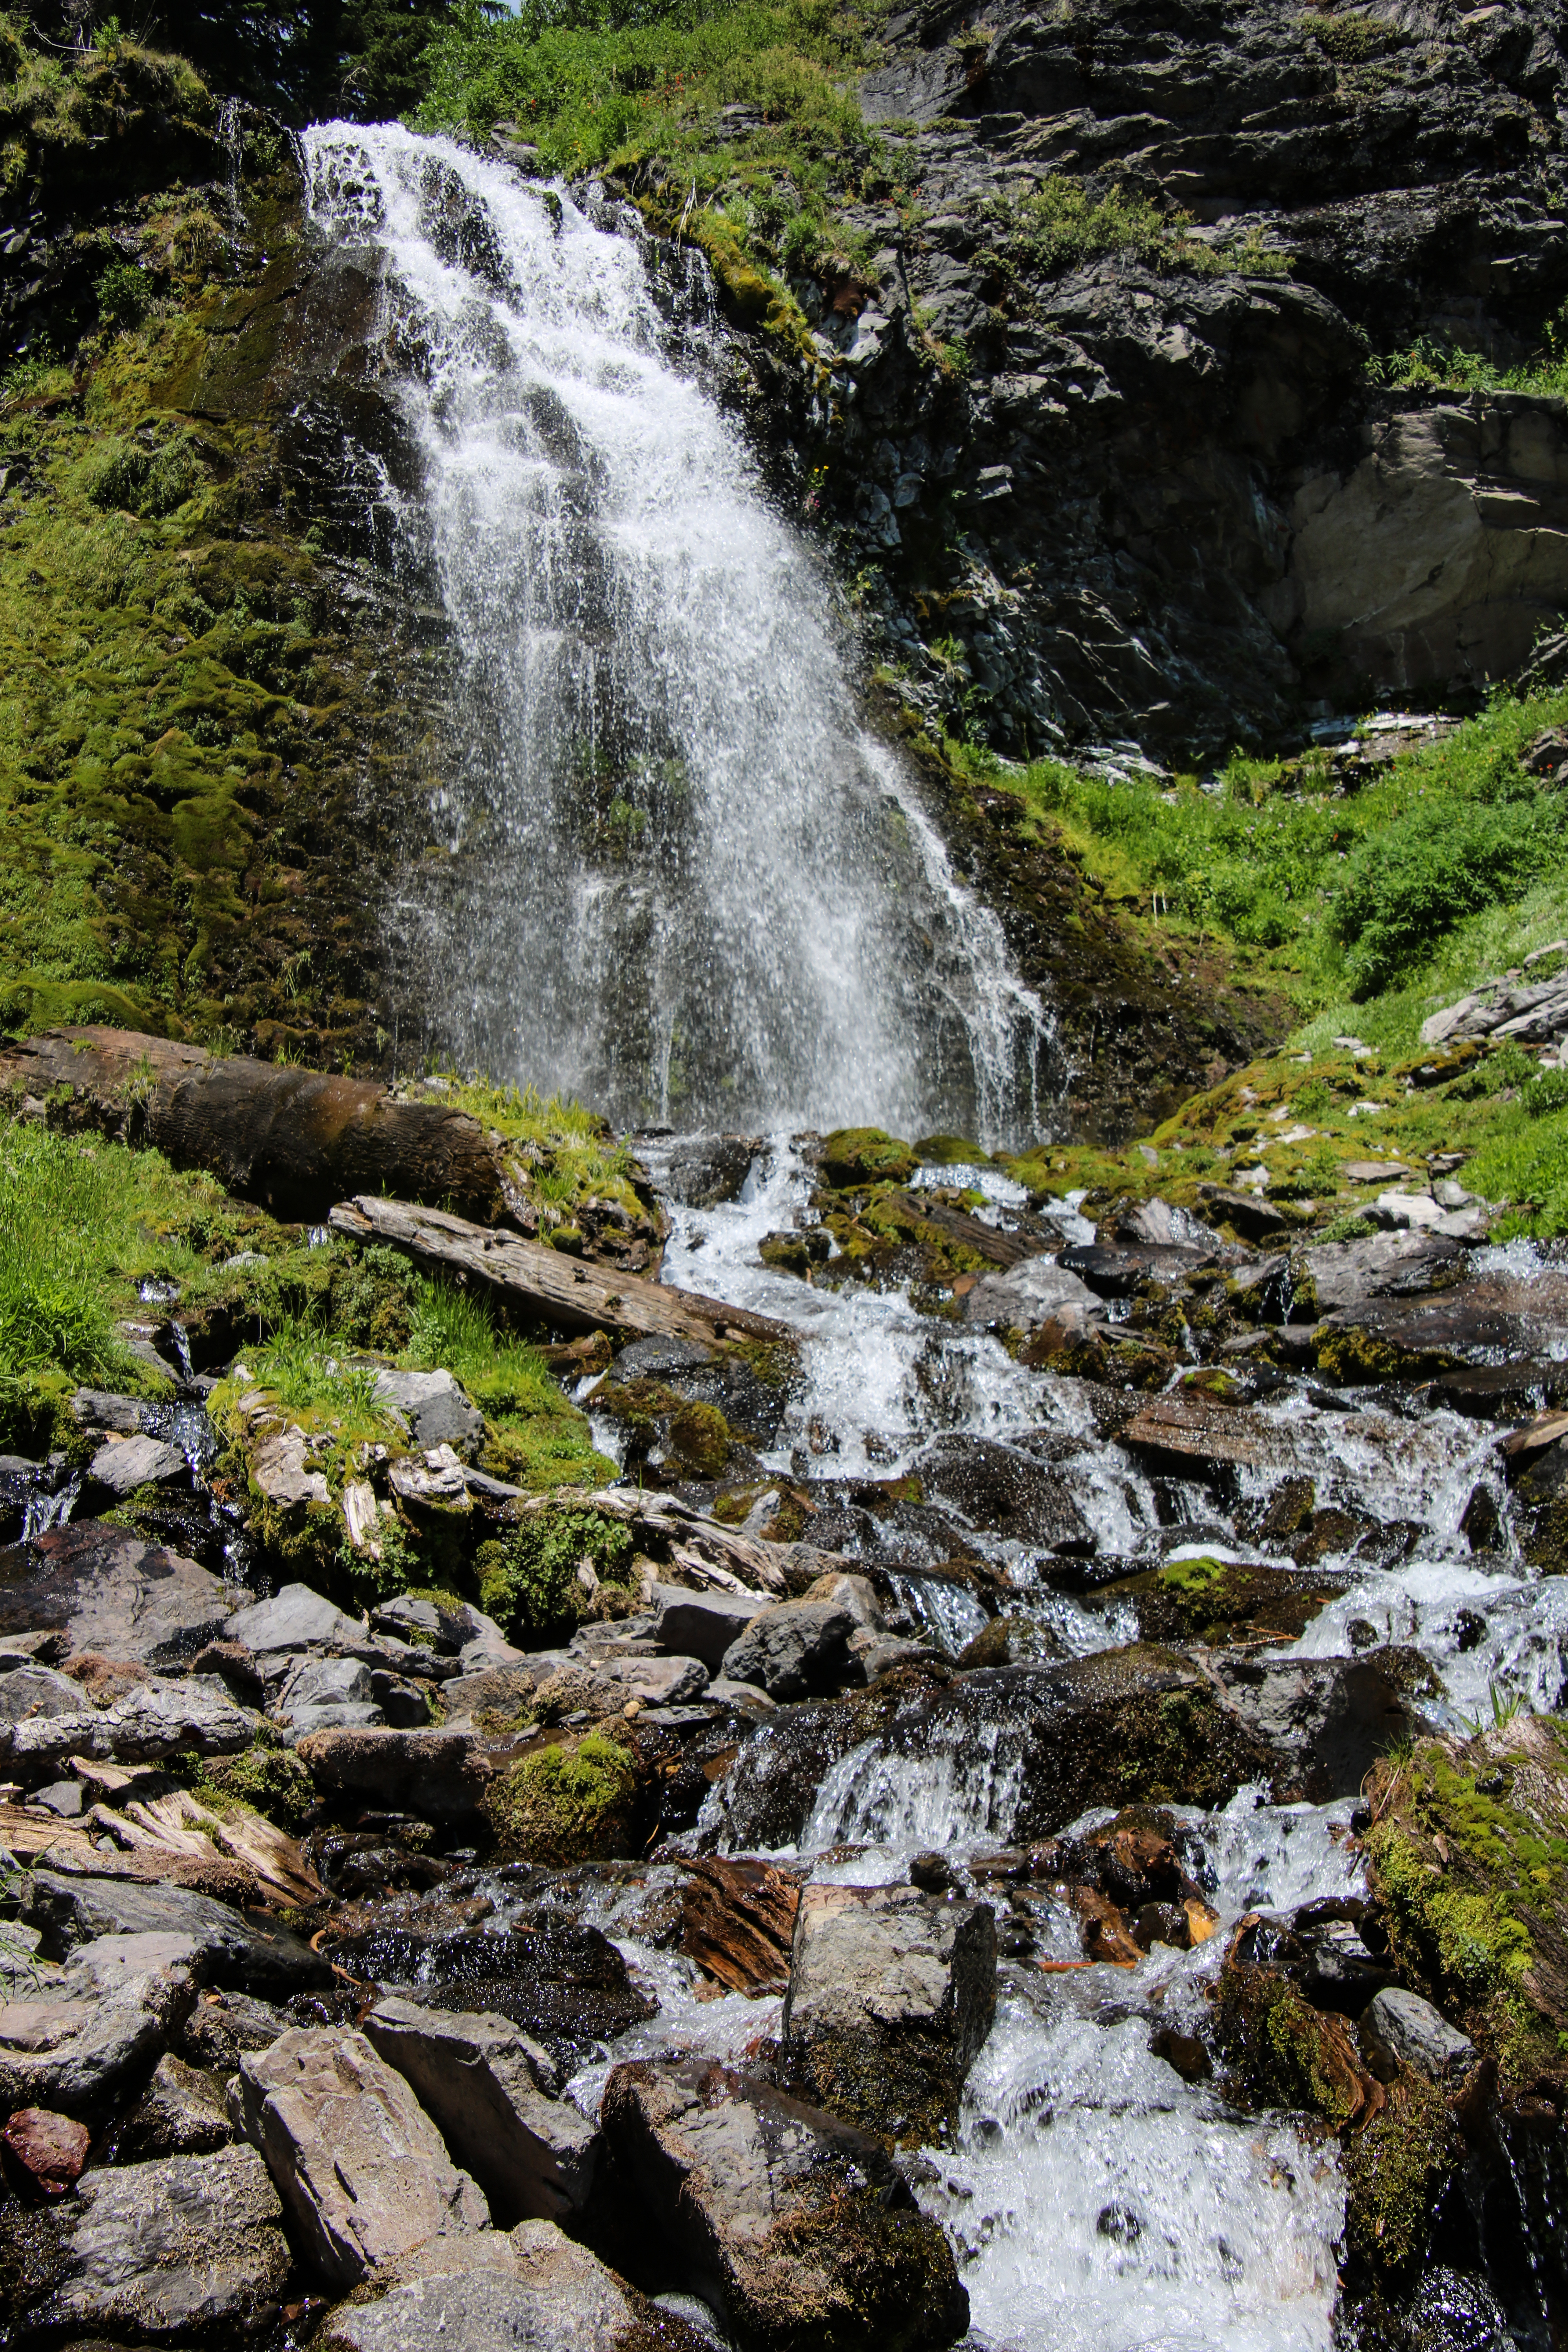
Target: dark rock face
842, 2257
1190, 504
565, 1984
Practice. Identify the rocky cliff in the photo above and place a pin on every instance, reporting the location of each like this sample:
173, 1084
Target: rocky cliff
1106, 411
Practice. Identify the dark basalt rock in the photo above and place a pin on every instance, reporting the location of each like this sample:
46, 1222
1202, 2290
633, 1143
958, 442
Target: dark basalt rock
565, 1984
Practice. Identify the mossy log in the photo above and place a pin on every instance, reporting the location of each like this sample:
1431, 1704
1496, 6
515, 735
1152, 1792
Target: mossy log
295, 1140
565, 1292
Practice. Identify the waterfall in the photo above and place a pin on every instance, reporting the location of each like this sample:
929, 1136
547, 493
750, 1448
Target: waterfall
673, 871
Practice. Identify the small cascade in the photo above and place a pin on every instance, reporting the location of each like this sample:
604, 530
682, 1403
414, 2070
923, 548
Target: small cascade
679, 875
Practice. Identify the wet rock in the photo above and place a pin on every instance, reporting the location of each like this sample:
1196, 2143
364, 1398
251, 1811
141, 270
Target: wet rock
1281, 2052
492, 2092
218, 1945
168, 2249
180, 2112
891, 1994
999, 1488
1190, 1427
1122, 1272
1216, 1600
294, 1619
43, 2154
1346, 1275
111, 1592
703, 1624
565, 1986
1321, 1949
437, 1409
791, 2225
766, 1799
1454, 2311
121, 1467
551, 2296
738, 1923
359, 2164
1027, 1296
70, 2042
222, 2026
797, 1650
1400, 2028
1329, 1719
440, 1774
702, 1172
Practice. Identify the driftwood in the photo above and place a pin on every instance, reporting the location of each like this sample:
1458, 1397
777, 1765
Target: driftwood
294, 1141
568, 1293
988, 1242
738, 1923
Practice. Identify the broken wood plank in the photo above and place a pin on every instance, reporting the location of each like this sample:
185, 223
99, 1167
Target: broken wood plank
570, 1293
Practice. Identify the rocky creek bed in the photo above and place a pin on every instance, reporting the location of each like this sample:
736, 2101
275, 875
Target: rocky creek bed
1021, 1802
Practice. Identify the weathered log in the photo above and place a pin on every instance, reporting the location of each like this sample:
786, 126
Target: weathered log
988, 1242
294, 1141
567, 1293
737, 1922
703, 1552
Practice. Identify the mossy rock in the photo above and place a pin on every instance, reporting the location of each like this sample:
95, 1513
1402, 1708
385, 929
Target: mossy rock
271, 1781
865, 1155
1468, 1856
1210, 1600
530, 1580
1283, 2053
1396, 2168
574, 1802
950, 1151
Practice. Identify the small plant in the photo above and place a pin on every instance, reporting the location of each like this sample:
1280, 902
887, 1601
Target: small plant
125, 296
1546, 1093
533, 1584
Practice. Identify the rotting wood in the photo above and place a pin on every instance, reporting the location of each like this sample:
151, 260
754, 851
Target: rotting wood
295, 1140
568, 1293
707, 1553
738, 1923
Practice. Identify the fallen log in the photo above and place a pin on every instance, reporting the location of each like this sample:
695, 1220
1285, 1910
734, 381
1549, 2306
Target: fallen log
568, 1293
295, 1140
714, 1557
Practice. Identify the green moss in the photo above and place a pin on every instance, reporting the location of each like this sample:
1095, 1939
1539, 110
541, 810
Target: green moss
865, 1155
1395, 2169
269, 1780
565, 1803
1197, 1578
530, 1582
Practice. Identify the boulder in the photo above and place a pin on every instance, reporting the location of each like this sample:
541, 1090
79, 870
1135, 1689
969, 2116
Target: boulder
154, 1718
435, 1408
279, 1470
218, 1945
1399, 2029
168, 2249
111, 1592
891, 1994
294, 1619
549, 2297
565, 1984
1028, 1295
180, 2112
122, 1466
360, 2168
491, 2091
703, 1624
440, 1774
1327, 1720
424, 1624
222, 2025
78, 2035
796, 2228
999, 1488
1386, 1265
797, 1650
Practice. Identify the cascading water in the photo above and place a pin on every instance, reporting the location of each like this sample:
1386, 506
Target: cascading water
679, 872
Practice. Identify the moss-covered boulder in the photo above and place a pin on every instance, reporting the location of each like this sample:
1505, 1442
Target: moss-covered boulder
1468, 1855
574, 1800
865, 1155
558, 1566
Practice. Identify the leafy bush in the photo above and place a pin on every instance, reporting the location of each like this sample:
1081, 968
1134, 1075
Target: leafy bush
124, 295
1057, 226
1549, 1092
529, 1583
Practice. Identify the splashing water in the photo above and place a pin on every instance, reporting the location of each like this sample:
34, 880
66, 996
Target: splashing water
681, 871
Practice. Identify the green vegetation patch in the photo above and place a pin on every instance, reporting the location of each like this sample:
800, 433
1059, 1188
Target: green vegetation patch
1054, 225
572, 1801
532, 1582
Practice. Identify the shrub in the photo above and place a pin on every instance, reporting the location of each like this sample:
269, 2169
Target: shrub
529, 1582
124, 295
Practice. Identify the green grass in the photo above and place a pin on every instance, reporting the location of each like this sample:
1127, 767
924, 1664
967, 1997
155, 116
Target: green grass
1055, 226
1433, 363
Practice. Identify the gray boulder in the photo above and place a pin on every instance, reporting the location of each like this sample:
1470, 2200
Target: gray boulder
158, 1717
1386, 1265
105, 1408
122, 1466
548, 2297
1028, 1294
168, 2249
796, 2228
421, 1622
891, 1994
72, 2038
795, 1650
490, 2089
220, 1946
360, 2168
703, 1624
325, 1682
1399, 2029
294, 1619
435, 1409
180, 2112
1328, 1719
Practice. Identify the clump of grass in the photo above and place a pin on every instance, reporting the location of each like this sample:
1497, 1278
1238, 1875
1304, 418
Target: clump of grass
1056, 226
1434, 363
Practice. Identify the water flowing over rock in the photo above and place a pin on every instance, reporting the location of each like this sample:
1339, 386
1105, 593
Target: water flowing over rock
673, 874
